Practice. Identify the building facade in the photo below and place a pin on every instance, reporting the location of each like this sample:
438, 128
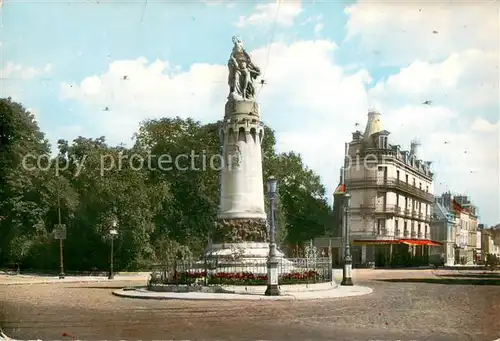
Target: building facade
443, 230
466, 221
462, 245
391, 197
479, 246
488, 244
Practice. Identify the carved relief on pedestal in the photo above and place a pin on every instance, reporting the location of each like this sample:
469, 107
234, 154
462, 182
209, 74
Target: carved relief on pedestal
241, 230
233, 156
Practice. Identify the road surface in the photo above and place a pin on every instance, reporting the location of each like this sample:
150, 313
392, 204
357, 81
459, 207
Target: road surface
405, 305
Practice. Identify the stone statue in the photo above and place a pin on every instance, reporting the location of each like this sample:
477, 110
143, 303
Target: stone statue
242, 73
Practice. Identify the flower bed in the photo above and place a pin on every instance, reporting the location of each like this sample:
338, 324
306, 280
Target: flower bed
241, 278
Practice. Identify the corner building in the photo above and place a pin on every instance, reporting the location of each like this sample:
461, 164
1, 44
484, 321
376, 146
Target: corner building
391, 197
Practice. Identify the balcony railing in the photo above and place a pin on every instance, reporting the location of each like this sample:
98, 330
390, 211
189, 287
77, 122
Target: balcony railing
420, 235
389, 209
382, 232
390, 183
397, 233
428, 236
413, 234
406, 234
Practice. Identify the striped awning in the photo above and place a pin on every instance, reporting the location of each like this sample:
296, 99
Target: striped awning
375, 241
396, 241
420, 242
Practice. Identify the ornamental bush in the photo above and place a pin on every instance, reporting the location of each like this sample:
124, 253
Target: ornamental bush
239, 278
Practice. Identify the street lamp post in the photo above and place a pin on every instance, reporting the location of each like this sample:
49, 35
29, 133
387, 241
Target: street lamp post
61, 237
113, 232
272, 261
346, 273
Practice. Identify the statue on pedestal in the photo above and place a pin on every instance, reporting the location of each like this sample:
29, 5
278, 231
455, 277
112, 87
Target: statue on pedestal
242, 73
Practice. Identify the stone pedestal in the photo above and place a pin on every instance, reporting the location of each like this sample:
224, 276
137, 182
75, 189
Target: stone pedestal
246, 257
241, 234
242, 189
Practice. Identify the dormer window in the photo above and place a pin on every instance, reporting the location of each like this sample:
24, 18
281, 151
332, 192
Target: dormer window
383, 142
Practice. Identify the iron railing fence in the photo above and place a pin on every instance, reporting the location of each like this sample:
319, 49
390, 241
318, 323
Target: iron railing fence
215, 272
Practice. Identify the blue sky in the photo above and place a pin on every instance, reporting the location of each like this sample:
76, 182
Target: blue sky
329, 62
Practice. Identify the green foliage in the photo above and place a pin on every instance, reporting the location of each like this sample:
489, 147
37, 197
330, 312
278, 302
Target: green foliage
492, 260
161, 208
238, 278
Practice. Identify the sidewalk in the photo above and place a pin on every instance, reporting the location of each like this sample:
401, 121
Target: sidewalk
43, 279
337, 292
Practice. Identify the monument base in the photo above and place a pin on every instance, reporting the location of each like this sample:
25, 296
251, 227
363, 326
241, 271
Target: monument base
246, 257
241, 230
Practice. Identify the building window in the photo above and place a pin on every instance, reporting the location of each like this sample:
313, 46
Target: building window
380, 226
397, 175
406, 178
420, 186
427, 189
414, 183
383, 142
397, 200
406, 202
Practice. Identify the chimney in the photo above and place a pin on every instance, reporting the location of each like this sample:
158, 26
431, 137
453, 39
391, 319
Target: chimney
446, 199
356, 136
415, 149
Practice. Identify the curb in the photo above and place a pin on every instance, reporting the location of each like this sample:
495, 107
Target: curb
70, 281
340, 292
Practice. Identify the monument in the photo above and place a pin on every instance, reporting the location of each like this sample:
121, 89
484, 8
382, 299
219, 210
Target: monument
242, 231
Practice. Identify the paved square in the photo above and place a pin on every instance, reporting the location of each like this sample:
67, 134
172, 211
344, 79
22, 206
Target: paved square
405, 305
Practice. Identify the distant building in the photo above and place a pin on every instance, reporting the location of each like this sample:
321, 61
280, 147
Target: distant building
488, 244
460, 236
443, 230
479, 246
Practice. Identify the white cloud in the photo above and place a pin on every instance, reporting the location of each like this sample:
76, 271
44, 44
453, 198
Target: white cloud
318, 28
312, 20
284, 12
227, 3
313, 104
401, 32
13, 70
481, 125
468, 79
13, 77
150, 90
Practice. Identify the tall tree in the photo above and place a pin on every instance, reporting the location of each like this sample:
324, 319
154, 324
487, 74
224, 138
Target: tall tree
23, 187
